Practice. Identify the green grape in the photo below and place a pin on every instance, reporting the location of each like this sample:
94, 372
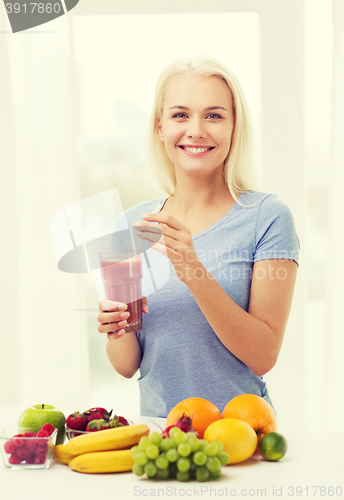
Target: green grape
183, 464
174, 431
166, 444
172, 455
179, 438
151, 469
155, 438
191, 435
141, 458
210, 449
194, 443
213, 464
163, 473
134, 450
202, 474
173, 470
193, 466
223, 457
215, 475
152, 451
138, 469
200, 458
192, 473
182, 475
144, 442
184, 449
161, 462
202, 443
219, 445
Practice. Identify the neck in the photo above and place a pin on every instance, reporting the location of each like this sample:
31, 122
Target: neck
194, 195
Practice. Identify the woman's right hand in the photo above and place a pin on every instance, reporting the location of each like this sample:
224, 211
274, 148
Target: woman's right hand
113, 317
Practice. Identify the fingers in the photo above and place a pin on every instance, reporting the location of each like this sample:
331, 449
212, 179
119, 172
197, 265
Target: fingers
112, 321
165, 219
144, 305
106, 305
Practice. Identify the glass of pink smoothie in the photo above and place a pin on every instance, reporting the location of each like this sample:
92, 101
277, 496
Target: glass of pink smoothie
121, 270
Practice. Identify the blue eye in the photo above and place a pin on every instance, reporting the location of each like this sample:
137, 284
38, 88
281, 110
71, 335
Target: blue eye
214, 115
179, 115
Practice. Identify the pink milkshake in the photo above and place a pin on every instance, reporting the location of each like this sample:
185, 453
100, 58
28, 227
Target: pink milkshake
122, 277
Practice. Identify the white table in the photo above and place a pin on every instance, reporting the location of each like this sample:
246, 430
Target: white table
313, 460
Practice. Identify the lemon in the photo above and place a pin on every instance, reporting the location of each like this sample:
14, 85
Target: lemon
238, 438
273, 446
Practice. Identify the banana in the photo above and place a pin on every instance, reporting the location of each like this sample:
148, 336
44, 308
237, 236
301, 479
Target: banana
103, 461
61, 455
109, 439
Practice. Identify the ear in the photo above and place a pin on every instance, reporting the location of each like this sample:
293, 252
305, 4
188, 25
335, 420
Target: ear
159, 130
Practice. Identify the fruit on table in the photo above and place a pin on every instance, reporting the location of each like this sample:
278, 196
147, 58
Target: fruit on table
273, 446
77, 421
255, 411
182, 456
38, 415
184, 423
238, 438
61, 455
201, 412
103, 461
98, 425
110, 439
31, 451
97, 414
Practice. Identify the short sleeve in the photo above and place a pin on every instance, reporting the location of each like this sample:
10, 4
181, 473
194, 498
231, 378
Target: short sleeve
276, 236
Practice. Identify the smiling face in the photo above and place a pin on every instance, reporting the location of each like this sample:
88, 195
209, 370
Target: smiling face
197, 123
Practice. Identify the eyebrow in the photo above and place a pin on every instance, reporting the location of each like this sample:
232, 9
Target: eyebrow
206, 109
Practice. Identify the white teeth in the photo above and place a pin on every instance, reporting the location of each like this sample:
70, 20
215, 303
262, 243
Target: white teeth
196, 150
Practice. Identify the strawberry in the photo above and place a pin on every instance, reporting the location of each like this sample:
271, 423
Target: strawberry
98, 425
77, 421
118, 421
97, 414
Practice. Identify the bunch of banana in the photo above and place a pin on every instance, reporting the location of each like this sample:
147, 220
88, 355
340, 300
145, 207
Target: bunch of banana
102, 451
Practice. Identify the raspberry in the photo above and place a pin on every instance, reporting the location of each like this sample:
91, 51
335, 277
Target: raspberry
17, 441
42, 434
41, 450
31, 445
9, 447
39, 460
49, 428
22, 452
30, 459
28, 434
14, 460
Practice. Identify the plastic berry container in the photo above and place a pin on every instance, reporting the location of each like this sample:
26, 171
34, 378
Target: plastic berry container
20, 450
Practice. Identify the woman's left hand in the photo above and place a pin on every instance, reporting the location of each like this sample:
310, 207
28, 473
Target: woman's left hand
175, 242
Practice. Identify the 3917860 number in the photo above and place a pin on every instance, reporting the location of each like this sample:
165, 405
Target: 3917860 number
315, 491
40, 8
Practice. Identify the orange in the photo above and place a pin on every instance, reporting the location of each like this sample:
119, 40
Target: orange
255, 411
238, 438
201, 411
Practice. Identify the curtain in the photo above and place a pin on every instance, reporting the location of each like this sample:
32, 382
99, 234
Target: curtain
333, 380
48, 352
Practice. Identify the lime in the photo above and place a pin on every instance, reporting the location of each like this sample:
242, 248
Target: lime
273, 446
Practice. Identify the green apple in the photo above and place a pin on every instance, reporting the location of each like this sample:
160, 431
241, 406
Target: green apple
38, 415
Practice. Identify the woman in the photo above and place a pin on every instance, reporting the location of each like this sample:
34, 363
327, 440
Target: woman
216, 327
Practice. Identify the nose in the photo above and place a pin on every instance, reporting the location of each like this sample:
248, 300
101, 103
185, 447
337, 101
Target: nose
195, 128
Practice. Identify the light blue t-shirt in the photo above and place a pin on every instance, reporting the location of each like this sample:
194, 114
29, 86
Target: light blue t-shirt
181, 355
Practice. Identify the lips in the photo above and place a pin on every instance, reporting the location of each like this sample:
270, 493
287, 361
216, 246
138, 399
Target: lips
196, 149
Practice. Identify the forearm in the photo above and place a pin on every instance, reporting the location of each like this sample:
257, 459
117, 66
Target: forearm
125, 354
248, 338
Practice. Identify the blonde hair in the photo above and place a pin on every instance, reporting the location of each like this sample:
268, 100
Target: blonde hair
238, 172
